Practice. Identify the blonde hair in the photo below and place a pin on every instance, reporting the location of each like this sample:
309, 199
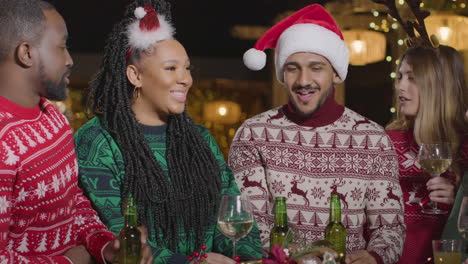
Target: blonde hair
440, 77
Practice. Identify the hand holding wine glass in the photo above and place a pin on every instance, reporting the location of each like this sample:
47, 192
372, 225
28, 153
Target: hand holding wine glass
235, 218
435, 159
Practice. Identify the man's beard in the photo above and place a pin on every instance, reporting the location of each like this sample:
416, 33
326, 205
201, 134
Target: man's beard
54, 91
321, 101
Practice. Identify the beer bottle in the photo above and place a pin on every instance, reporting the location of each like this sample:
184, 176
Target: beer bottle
129, 236
280, 232
335, 232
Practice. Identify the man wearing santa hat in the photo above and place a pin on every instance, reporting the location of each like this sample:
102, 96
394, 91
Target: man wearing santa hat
313, 147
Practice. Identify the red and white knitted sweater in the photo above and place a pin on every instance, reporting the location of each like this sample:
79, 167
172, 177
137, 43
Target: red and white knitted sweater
338, 151
43, 212
421, 228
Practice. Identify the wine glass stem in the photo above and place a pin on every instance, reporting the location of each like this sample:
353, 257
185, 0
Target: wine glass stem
434, 204
234, 241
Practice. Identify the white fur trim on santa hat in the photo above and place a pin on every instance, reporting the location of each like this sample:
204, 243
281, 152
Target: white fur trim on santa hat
254, 59
143, 39
315, 39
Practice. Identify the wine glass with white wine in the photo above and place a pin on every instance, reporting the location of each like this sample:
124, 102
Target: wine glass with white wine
235, 218
435, 158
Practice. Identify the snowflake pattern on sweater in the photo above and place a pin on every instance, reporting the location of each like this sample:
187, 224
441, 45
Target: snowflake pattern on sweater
43, 213
421, 228
352, 157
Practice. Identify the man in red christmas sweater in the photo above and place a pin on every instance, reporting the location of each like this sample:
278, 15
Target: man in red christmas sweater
44, 217
313, 147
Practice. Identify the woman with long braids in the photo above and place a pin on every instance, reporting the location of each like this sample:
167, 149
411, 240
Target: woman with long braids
141, 143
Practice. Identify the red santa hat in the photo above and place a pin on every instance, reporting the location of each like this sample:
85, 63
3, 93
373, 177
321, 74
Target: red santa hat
311, 29
149, 27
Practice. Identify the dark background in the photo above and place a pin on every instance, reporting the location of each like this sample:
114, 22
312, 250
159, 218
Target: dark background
204, 28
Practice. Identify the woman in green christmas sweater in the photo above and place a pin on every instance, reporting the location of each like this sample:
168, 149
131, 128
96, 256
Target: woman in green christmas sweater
143, 144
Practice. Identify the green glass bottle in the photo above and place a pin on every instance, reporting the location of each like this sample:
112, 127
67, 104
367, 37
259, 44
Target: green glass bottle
335, 232
129, 236
280, 232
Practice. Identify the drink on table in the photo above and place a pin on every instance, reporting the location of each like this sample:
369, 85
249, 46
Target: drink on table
335, 232
446, 251
447, 257
280, 231
129, 236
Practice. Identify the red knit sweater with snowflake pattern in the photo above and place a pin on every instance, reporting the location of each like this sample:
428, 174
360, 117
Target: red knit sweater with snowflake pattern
421, 228
43, 213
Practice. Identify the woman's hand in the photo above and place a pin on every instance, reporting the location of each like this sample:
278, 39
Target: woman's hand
441, 190
112, 248
215, 258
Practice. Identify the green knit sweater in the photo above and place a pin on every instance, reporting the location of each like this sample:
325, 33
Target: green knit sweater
102, 171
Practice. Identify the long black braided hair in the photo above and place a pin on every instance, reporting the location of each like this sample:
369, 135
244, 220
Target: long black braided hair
187, 200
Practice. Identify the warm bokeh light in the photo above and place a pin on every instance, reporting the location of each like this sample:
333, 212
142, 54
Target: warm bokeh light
450, 29
444, 33
358, 46
222, 111
365, 46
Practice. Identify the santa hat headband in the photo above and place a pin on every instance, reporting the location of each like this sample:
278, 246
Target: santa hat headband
148, 28
311, 29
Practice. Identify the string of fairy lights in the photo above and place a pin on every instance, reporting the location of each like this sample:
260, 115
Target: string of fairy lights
386, 24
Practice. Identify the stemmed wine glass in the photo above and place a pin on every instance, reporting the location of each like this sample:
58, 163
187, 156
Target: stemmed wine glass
235, 218
435, 159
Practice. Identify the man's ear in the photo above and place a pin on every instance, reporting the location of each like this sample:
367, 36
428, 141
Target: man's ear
134, 76
25, 55
336, 78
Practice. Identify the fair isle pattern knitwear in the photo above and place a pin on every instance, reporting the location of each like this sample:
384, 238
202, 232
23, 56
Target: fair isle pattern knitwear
350, 156
102, 170
43, 212
421, 228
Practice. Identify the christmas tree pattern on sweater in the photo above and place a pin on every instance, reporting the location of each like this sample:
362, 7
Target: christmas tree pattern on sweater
352, 157
43, 213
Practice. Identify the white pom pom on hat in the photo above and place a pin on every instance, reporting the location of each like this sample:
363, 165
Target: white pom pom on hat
140, 12
311, 29
254, 59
